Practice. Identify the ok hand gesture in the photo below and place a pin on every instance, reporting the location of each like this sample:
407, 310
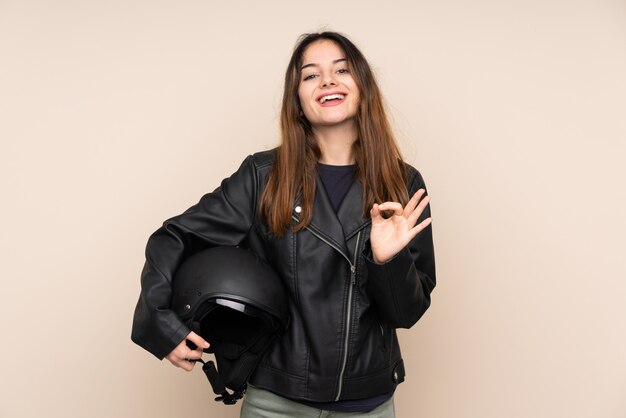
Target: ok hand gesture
389, 236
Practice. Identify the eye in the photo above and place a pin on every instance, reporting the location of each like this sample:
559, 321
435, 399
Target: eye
309, 77
343, 71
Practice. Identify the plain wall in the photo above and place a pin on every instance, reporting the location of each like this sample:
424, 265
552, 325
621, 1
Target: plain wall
115, 115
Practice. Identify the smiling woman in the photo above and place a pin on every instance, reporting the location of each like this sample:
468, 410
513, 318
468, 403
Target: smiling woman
328, 94
321, 64
313, 208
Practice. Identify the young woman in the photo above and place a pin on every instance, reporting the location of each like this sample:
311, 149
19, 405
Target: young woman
344, 222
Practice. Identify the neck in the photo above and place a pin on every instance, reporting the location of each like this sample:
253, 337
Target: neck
336, 144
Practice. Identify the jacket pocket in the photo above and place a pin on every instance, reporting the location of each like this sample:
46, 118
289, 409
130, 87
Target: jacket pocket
386, 340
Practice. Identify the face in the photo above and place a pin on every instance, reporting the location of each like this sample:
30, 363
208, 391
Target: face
328, 94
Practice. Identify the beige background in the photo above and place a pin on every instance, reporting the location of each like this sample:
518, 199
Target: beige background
115, 115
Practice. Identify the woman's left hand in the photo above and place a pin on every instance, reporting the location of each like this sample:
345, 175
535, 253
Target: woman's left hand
390, 235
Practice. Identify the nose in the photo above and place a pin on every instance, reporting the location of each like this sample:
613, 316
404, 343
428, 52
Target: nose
328, 80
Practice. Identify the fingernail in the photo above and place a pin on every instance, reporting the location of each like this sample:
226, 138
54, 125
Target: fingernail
206, 344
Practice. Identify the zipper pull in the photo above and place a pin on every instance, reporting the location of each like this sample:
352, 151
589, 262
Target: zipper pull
353, 274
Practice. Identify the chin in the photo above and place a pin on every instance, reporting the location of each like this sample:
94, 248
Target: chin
339, 120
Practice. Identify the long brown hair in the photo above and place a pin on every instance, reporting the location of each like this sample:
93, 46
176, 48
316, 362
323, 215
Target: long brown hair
380, 167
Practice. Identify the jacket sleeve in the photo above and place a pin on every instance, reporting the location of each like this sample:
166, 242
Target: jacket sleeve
223, 217
400, 288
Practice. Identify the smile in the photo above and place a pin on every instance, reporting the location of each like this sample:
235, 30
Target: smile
329, 97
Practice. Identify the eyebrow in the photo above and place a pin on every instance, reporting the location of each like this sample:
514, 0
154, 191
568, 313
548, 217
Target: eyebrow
317, 65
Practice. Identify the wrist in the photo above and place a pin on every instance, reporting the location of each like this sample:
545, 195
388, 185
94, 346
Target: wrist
377, 260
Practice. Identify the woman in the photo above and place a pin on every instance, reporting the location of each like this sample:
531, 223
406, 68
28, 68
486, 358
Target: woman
342, 219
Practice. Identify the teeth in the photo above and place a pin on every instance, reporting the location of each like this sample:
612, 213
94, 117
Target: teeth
331, 97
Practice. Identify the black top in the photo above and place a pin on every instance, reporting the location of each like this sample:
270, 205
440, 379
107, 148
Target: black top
358, 405
337, 180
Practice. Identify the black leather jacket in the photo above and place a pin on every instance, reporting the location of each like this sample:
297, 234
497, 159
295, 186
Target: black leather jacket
341, 342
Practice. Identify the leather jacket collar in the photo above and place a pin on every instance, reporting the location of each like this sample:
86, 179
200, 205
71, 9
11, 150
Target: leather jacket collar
336, 227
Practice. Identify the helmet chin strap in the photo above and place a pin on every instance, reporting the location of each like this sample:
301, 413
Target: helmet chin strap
217, 384
210, 371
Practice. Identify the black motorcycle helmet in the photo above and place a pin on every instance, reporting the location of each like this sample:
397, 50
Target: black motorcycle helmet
236, 302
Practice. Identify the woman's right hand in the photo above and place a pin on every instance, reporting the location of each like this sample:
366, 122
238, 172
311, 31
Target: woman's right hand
183, 356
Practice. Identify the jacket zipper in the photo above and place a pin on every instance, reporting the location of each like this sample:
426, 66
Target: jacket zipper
350, 291
348, 315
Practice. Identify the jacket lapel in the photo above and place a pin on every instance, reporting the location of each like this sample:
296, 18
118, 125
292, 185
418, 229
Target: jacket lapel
324, 220
336, 228
349, 212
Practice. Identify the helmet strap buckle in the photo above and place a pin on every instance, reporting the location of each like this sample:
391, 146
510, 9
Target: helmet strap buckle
217, 384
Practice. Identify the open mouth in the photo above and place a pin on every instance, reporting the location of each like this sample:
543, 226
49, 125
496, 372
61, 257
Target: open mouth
331, 98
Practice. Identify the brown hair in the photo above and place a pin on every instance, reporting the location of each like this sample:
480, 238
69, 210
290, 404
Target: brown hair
380, 167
